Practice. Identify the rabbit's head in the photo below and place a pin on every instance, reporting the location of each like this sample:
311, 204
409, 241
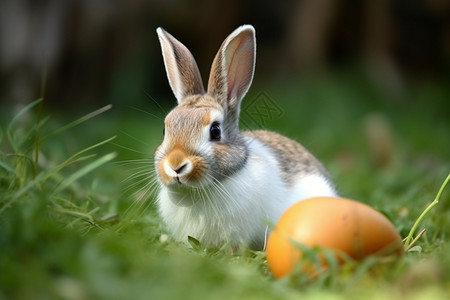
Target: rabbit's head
201, 142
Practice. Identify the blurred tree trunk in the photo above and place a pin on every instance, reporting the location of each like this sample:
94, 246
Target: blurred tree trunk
308, 33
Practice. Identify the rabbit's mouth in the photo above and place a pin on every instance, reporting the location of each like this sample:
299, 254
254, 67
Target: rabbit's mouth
177, 183
184, 182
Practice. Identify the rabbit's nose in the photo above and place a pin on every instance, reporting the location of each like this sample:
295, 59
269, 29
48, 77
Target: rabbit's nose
179, 170
176, 170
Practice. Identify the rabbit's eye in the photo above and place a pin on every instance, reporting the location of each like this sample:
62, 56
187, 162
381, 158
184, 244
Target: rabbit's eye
215, 131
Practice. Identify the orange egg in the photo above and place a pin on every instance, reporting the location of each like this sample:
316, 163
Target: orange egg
345, 226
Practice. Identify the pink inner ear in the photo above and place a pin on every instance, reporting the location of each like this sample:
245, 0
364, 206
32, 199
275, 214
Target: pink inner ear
239, 58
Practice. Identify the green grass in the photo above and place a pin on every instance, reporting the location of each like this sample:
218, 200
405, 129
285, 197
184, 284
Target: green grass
76, 224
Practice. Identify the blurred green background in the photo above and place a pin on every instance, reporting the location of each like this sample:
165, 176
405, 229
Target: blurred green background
365, 85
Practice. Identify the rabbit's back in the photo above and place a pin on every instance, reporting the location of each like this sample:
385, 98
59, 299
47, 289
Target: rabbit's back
294, 160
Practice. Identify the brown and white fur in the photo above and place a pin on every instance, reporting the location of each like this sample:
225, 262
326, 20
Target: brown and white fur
217, 184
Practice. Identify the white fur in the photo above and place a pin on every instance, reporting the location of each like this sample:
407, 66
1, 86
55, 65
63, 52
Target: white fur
254, 198
311, 186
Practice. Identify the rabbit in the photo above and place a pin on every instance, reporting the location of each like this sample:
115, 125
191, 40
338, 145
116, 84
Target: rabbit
217, 184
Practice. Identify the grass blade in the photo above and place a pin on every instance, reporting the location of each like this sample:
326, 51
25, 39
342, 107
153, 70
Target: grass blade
79, 121
85, 170
409, 240
22, 112
24, 189
9, 132
74, 158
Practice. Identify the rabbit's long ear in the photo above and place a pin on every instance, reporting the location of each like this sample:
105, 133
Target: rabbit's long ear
182, 70
233, 67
